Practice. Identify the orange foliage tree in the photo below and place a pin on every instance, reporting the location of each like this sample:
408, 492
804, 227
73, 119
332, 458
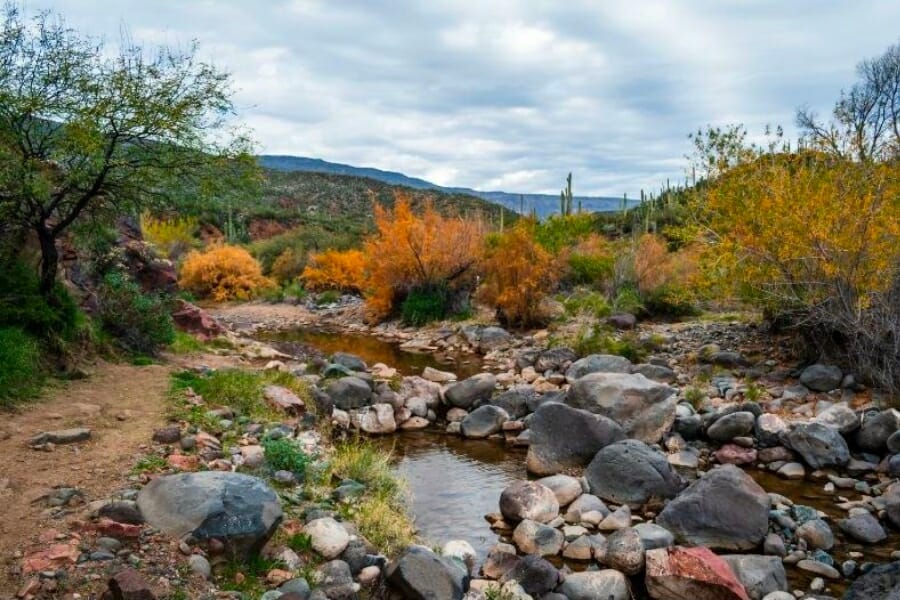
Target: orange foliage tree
335, 270
409, 252
223, 273
518, 274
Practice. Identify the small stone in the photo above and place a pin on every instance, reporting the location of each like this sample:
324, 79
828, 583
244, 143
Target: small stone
818, 568
200, 566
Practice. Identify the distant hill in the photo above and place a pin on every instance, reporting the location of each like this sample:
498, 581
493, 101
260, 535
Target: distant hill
544, 204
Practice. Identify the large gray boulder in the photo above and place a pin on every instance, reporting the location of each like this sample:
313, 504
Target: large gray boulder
516, 400
470, 391
597, 363
631, 472
607, 584
645, 409
730, 426
563, 437
483, 421
240, 510
535, 574
349, 392
875, 430
420, 574
821, 378
760, 575
882, 582
725, 509
819, 445
351, 361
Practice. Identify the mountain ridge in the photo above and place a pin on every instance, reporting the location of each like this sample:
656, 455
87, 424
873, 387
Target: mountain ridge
543, 204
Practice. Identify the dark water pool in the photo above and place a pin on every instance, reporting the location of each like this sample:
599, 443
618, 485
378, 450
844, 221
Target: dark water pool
372, 350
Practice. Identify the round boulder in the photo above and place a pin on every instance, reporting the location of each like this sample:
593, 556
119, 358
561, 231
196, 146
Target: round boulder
821, 378
470, 391
730, 426
240, 510
528, 500
631, 472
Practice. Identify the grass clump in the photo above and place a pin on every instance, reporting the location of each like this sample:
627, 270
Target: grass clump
380, 513
240, 390
599, 340
149, 464
185, 343
592, 304
283, 455
21, 373
695, 397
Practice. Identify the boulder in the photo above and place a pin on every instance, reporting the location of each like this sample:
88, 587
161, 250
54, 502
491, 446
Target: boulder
563, 437
328, 537
622, 321
644, 409
350, 361
653, 536
631, 472
881, 582
375, 419
193, 319
483, 421
840, 417
283, 398
516, 400
760, 575
468, 392
819, 445
554, 359
769, 429
724, 509
536, 576
528, 500
349, 392
730, 426
597, 363
625, 551
500, 559
821, 378
690, 574
863, 527
239, 510
420, 574
875, 430
607, 584
565, 487
532, 537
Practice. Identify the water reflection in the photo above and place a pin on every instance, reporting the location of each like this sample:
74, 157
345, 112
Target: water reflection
454, 483
372, 350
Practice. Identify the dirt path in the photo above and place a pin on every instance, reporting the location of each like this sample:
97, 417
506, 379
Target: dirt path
121, 404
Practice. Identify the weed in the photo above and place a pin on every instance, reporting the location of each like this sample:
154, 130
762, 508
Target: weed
149, 464
284, 455
253, 570
328, 297
300, 543
753, 392
695, 397
592, 304
599, 340
185, 343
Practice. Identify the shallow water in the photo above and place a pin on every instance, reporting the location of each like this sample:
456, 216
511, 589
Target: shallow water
454, 482
372, 350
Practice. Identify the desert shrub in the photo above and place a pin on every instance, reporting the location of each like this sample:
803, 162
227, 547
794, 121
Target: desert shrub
423, 305
55, 318
600, 340
172, 236
288, 266
628, 300
591, 262
342, 271
518, 275
140, 322
21, 373
223, 273
587, 303
815, 241
284, 455
414, 252
559, 232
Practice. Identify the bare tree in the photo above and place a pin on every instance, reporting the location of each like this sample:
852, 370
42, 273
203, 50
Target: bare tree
865, 123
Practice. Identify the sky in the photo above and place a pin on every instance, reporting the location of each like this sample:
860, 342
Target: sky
506, 94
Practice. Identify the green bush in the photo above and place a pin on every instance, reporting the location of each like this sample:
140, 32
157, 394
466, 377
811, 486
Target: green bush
599, 340
20, 366
628, 300
425, 305
140, 322
667, 301
590, 303
590, 270
284, 455
22, 305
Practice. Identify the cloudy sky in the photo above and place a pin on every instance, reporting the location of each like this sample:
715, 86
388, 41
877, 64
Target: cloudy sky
509, 94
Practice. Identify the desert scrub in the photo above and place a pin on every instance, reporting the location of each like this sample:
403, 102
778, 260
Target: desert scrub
149, 464
284, 455
21, 372
380, 513
241, 390
599, 340
593, 304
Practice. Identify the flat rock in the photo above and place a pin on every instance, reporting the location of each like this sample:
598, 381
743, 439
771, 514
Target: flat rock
597, 363
607, 584
62, 436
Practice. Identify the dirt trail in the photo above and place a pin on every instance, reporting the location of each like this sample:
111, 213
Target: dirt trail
121, 404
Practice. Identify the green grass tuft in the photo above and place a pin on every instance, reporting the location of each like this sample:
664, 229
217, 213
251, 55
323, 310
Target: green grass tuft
21, 372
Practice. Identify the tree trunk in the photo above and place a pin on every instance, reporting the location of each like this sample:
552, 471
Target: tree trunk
49, 260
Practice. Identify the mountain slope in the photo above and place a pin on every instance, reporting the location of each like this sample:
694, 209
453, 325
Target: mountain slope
543, 204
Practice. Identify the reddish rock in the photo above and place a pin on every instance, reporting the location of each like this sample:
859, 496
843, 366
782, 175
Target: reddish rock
732, 454
128, 585
681, 573
57, 555
283, 398
193, 319
110, 528
278, 576
183, 462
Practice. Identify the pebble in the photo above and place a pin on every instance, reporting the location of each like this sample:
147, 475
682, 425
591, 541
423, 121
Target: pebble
817, 568
200, 566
